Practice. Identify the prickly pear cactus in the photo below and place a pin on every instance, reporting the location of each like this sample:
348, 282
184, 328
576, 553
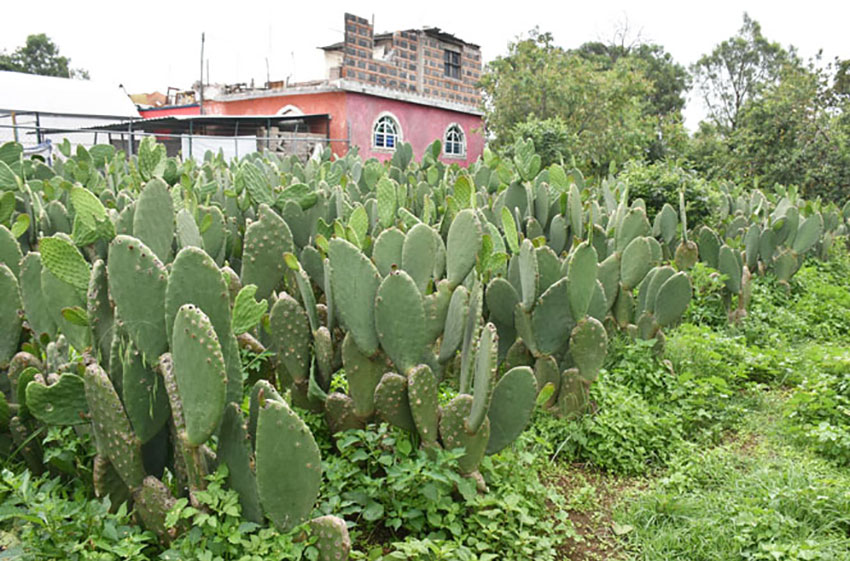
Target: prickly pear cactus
113, 434
199, 370
137, 284
286, 446
332, 541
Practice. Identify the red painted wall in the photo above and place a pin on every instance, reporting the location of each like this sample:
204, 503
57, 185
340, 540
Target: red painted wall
169, 110
353, 116
332, 103
420, 126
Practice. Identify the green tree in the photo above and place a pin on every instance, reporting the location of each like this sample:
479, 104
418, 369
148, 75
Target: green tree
796, 133
40, 56
670, 80
594, 114
737, 70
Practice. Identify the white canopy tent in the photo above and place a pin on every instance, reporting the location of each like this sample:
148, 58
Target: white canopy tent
29, 104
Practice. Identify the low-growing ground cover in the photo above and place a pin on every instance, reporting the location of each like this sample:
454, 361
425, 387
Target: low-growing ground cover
369, 410
732, 444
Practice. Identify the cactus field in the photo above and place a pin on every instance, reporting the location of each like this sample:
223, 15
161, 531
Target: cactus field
189, 319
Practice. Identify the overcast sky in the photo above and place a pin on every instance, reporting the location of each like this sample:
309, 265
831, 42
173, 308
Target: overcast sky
151, 45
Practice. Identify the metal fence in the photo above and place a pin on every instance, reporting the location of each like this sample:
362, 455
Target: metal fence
41, 139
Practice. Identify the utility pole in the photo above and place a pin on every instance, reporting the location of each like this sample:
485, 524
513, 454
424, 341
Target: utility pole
202, 73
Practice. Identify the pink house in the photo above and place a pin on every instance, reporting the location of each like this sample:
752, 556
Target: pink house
411, 86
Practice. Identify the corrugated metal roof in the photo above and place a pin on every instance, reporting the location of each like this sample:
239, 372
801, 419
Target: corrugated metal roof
181, 122
63, 96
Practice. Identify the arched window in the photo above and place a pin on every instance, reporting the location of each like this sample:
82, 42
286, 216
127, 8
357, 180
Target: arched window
386, 134
290, 110
454, 142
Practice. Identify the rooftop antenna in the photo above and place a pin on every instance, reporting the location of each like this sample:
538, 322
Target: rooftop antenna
202, 73
292, 73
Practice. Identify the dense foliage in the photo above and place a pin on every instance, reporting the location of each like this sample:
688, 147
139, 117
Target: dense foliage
456, 305
772, 118
40, 55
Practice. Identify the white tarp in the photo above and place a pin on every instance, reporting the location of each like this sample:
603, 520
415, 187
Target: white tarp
231, 146
63, 96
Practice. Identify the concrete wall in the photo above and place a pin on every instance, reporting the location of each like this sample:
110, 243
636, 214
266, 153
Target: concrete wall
420, 126
355, 114
332, 103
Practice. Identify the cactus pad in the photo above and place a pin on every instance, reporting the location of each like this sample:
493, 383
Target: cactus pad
529, 276
462, 246
107, 482
581, 279
400, 320
728, 264
144, 395
392, 402
236, 452
573, 395
10, 319
332, 538
422, 393
363, 375
100, 313
455, 323
511, 407
286, 446
137, 284
418, 255
355, 281
387, 251
484, 375
635, 262
551, 321
152, 501
266, 240
113, 433
153, 219
588, 347
339, 411
199, 370
672, 299
291, 336
501, 299
454, 433
62, 403
34, 302
546, 372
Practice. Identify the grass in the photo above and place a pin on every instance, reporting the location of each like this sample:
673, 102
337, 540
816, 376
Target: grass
735, 444
754, 497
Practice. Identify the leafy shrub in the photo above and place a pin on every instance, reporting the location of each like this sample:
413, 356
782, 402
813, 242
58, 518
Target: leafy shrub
415, 503
660, 182
553, 141
818, 410
218, 531
817, 306
56, 519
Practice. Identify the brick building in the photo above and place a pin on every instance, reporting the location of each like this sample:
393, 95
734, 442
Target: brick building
413, 86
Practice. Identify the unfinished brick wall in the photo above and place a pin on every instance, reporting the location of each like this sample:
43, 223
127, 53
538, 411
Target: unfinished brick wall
415, 63
435, 81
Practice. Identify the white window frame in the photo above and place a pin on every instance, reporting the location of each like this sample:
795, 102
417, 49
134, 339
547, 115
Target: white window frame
290, 110
457, 129
398, 134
